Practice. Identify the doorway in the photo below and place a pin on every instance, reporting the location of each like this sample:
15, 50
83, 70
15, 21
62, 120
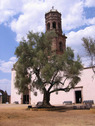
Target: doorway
25, 99
78, 96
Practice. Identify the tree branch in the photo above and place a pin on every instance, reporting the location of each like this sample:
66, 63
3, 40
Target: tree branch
54, 76
37, 72
52, 81
92, 64
61, 89
56, 82
64, 81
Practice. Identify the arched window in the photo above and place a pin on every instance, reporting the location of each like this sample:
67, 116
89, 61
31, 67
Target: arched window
60, 46
54, 25
48, 26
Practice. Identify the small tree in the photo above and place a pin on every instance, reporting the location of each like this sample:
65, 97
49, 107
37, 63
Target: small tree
42, 68
89, 45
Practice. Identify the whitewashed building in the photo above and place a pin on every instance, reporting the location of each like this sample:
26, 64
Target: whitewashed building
85, 89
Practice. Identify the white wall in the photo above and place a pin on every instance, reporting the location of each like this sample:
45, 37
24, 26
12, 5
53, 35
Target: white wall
14, 93
86, 85
61, 97
35, 99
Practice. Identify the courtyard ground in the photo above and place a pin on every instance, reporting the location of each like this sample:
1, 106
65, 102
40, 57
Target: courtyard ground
18, 115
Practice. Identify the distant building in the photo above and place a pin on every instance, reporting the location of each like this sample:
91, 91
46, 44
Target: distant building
4, 97
84, 89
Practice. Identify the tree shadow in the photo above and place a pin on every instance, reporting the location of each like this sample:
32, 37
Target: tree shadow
53, 109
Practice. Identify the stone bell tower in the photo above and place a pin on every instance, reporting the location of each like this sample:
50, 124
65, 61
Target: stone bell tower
53, 22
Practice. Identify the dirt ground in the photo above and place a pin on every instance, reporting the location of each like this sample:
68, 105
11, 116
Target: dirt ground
18, 115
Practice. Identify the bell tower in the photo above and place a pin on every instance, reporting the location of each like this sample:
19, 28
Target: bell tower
53, 22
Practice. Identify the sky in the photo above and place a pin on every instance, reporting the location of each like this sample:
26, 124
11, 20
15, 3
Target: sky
17, 17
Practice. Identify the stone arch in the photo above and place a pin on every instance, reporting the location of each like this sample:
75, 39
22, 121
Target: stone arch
1, 91
54, 25
4, 96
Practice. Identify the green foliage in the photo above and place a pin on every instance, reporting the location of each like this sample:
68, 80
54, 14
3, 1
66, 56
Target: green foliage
89, 45
39, 66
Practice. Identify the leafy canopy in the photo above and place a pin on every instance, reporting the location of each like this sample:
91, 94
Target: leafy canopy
39, 66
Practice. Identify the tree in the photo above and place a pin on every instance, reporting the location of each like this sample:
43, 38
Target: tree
39, 66
89, 45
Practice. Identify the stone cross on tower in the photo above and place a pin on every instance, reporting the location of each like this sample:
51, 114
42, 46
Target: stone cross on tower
52, 7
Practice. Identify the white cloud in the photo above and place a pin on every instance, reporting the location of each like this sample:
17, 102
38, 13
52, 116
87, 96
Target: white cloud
7, 66
90, 3
5, 15
32, 12
32, 18
74, 40
9, 8
5, 85
74, 17
91, 21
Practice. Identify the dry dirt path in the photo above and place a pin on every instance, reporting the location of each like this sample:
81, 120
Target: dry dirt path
17, 115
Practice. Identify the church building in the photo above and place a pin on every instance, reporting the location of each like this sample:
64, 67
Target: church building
83, 91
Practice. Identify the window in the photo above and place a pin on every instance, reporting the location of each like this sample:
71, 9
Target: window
60, 47
54, 25
48, 26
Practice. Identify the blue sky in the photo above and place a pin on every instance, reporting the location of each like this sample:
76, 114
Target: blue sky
17, 17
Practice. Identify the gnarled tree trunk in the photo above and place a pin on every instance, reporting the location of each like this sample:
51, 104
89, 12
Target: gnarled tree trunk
46, 99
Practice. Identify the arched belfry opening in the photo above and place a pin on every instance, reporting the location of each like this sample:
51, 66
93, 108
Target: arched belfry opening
54, 25
53, 22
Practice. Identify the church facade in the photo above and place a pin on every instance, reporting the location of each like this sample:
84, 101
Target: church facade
84, 89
